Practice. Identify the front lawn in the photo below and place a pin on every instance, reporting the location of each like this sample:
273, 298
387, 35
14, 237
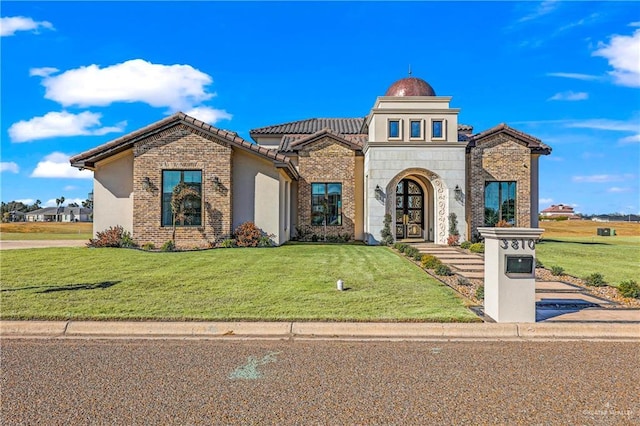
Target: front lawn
616, 258
293, 282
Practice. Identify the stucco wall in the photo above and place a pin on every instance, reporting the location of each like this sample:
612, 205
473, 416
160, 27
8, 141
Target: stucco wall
113, 193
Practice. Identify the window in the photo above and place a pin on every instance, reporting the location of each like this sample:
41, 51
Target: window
416, 129
437, 129
326, 204
499, 203
394, 129
191, 207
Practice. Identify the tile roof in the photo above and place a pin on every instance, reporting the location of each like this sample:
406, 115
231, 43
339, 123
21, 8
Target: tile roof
535, 144
290, 143
343, 126
88, 158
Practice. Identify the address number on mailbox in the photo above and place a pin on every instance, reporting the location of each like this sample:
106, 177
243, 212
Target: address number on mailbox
518, 244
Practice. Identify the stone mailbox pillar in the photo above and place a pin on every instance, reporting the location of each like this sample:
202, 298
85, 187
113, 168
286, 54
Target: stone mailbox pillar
509, 273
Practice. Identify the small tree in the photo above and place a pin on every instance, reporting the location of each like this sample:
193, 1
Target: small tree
59, 202
183, 198
454, 234
387, 236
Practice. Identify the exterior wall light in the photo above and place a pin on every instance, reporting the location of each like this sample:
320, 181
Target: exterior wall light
458, 193
146, 184
217, 184
379, 194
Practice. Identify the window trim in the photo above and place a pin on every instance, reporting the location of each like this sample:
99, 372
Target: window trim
181, 180
394, 138
326, 189
444, 129
420, 121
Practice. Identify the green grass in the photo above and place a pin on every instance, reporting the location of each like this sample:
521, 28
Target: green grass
23, 236
293, 282
616, 258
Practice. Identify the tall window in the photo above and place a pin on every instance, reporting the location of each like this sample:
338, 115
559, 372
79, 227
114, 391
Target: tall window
499, 203
416, 129
326, 204
437, 129
394, 129
191, 206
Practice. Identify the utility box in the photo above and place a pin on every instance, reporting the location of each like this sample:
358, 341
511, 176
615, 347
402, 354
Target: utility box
604, 232
510, 273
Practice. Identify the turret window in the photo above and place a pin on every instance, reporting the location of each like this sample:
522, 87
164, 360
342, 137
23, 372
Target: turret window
394, 129
438, 130
416, 129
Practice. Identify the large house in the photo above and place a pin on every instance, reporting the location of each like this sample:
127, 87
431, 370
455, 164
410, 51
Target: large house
409, 158
559, 210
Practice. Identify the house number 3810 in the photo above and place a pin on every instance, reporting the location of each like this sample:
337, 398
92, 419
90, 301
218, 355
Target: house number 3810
518, 244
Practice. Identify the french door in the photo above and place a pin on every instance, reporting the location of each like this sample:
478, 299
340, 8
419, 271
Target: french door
409, 210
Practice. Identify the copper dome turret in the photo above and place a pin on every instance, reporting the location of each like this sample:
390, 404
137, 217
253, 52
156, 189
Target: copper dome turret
410, 86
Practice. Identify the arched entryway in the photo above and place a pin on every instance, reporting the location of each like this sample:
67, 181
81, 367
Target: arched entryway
409, 203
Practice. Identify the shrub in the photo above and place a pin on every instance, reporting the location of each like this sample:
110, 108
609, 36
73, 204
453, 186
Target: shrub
429, 261
465, 245
387, 236
148, 246
228, 243
477, 248
114, 236
629, 288
480, 292
452, 240
168, 246
443, 269
401, 247
503, 224
303, 233
595, 280
249, 235
463, 280
411, 251
417, 256
265, 241
557, 270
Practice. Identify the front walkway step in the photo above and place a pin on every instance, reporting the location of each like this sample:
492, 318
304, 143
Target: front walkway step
578, 299
467, 267
557, 286
472, 275
588, 315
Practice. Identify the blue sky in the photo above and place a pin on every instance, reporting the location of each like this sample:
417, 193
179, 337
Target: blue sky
78, 74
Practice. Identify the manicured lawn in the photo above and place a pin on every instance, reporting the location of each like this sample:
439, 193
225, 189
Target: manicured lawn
46, 231
293, 282
616, 258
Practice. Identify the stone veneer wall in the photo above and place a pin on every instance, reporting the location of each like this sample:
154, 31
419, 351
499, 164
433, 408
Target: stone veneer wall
182, 148
499, 158
327, 161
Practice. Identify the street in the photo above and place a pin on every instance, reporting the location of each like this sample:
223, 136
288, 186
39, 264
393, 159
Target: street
193, 382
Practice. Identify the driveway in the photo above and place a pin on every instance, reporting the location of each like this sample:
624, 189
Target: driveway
10, 245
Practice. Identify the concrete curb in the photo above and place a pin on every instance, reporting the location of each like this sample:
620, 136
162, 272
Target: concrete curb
322, 331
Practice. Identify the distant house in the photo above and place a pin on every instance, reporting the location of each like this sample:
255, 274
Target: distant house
16, 216
559, 210
60, 214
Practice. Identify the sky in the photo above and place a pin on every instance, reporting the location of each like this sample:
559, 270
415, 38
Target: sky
75, 75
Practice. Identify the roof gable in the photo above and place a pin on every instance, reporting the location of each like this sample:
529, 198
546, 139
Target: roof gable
306, 141
89, 158
534, 144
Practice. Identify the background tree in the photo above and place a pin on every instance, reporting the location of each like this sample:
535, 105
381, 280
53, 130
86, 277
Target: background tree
59, 202
73, 205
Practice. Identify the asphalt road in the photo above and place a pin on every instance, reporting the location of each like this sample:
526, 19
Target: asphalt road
193, 382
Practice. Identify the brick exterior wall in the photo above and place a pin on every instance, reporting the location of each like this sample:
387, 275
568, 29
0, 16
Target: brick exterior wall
327, 161
499, 158
182, 148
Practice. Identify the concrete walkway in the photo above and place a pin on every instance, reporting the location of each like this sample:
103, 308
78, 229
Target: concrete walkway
28, 244
323, 331
556, 301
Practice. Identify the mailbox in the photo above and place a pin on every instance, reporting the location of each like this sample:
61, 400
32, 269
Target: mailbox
519, 266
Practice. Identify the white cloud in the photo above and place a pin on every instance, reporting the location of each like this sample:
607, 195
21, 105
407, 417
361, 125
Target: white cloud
208, 115
597, 178
630, 139
26, 201
573, 75
569, 96
70, 188
56, 165
42, 72
55, 124
542, 9
635, 24
67, 201
623, 54
615, 189
9, 166
606, 124
590, 155
9, 25
177, 87
544, 201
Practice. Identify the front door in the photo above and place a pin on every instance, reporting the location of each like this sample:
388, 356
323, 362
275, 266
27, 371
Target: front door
409, 210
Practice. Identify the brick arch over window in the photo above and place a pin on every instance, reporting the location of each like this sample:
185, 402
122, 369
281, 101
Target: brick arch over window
440, 198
